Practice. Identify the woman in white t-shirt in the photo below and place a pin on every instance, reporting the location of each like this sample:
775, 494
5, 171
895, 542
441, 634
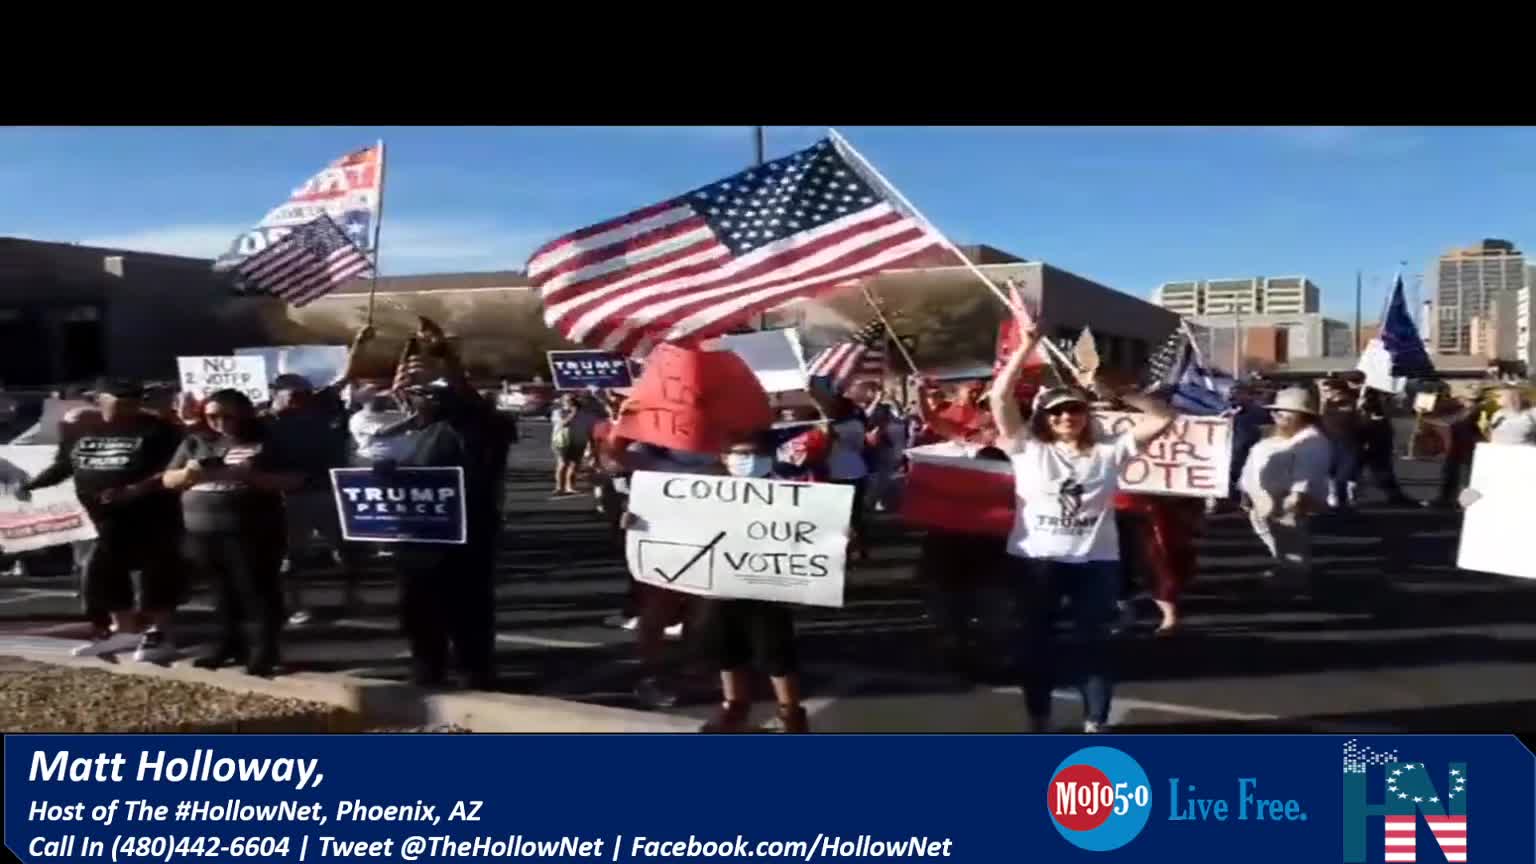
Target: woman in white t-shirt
1064, 542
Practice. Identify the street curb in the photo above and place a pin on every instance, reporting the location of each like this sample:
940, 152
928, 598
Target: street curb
370, 702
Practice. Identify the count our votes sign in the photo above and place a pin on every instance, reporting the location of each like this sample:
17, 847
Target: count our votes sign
1193, 458
403, 505
740, 537
203, 375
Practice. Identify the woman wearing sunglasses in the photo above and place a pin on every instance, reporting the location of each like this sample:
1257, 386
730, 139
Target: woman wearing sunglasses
1064, 542
232, 482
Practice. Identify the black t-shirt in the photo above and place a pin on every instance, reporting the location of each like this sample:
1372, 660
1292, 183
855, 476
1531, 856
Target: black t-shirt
232, 507
314, 439
102, 456
472, 437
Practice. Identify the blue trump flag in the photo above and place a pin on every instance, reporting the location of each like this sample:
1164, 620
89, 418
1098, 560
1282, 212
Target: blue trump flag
400, 505
1401, 338
579, 370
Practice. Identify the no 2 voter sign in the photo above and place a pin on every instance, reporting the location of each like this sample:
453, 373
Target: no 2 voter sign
740, 537
404, 505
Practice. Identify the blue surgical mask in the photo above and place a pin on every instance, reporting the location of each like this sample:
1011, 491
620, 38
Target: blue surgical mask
748, 465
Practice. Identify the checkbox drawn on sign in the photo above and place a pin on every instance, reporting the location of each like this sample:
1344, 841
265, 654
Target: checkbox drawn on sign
691, 564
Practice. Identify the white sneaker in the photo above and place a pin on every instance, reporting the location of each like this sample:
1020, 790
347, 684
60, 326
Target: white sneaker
301, 618
154, 647
1092, 727
110, 645
673, 632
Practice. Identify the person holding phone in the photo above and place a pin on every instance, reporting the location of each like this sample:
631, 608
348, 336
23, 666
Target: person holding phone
231, 483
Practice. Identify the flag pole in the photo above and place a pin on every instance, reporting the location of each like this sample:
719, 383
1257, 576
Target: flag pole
879, 179
890, 331
378, 223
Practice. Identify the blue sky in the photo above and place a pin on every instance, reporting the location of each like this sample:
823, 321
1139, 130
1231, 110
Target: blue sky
1130, 207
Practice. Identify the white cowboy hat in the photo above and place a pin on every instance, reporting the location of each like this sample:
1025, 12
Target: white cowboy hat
1297, 399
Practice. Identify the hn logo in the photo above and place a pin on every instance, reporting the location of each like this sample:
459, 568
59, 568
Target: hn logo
1408, 790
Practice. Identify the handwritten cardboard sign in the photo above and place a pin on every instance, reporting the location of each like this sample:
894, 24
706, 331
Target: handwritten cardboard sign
720, 536
1193, 458
203, 375
579, 370
695, 401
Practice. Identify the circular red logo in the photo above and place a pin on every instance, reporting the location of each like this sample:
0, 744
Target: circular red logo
1081, 797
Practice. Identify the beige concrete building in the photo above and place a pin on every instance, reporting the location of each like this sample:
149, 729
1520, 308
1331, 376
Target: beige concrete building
1257, 295
1464, 285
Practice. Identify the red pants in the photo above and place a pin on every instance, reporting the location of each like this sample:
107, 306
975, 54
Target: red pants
1168, 539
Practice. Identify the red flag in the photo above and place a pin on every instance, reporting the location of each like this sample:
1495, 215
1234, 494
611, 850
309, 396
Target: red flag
695, 401
948, 491
1008, 342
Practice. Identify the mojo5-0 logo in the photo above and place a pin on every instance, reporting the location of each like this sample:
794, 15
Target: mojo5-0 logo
1099, 799
1407, 791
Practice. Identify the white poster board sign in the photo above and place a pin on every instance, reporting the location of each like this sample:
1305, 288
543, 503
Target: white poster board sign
1192, 459
321, 365
203, 375
1504, 476
740, 537
775, 356
53, 516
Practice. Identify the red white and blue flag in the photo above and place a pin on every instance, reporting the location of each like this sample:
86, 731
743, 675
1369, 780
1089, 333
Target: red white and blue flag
698, 265
305, 264
859, 357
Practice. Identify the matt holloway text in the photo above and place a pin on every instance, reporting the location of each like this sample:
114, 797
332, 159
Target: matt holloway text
154, 767
1250, 807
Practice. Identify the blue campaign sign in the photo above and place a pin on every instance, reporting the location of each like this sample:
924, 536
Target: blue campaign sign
578, 370
986, 799
400, 505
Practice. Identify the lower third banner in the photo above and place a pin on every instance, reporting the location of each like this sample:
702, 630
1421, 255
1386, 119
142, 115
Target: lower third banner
400, 505
985, 799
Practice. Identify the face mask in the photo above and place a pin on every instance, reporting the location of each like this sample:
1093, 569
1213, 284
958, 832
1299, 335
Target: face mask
747, 465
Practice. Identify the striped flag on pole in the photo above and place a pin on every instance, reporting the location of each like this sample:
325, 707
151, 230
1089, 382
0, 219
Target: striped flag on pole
697, 265
861, 356
305, 264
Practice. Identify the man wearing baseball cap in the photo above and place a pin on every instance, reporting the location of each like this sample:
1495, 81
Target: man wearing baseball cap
116, 454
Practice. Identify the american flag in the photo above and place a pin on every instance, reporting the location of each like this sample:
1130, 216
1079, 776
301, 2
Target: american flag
305, 264
1167, 364
861, 356
695, 266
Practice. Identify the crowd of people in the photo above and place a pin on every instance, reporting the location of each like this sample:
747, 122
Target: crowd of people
232, 492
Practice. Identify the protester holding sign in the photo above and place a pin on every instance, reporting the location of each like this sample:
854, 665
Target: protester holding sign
447, 591
231, 484
1064, 540
115, 454
743, 634
1286, 481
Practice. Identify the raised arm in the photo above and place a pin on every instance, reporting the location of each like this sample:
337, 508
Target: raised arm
1005, 408
1156, 416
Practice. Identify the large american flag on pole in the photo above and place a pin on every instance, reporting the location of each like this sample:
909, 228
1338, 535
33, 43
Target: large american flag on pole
862, 356
305, 264
696, 266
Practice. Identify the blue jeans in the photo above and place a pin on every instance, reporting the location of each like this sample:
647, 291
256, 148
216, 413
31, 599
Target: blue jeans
1092, 589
